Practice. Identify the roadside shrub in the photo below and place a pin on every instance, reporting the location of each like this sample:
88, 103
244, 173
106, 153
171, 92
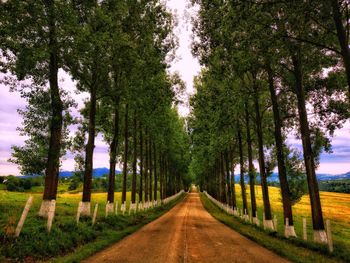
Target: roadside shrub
11, 187
73, 185
27, 184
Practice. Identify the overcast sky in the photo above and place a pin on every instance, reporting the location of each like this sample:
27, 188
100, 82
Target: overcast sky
188, 67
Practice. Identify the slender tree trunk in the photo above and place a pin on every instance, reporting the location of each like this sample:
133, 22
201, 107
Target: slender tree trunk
141, 165
134, 162
150, 169
343, 39
113, 156
250, 164
234, 202
228, 181
161, 176
241, 163
146, 168
216, 186
53, 158
282, 171
316, 209
126, 149
222, 179
263, 177
155, 194
91, 143
166, 177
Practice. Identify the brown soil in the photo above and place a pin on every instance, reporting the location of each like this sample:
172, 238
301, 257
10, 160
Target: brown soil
187, 233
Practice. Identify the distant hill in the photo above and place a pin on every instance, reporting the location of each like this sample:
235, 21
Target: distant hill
97, 172
329, 177
320, 177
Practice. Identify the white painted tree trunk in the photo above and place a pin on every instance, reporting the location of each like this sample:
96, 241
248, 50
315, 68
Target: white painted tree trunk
268, 224
44, 208
320, 236
85, 209
109, 208
289, 231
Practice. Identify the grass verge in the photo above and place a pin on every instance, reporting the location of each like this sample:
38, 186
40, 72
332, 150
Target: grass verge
71, 242
292, 249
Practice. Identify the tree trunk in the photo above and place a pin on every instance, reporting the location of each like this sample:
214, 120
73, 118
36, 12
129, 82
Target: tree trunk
282, 171
316, 209
228, 181
141, 165
234, 202
222, 179
155, 194
241, 163
147, 167
217, 180
134, 162
263, 177
126, 149
90, 144
113, 156
343, 40
53, 158
150, 169
166, 178
250, 164
162, 176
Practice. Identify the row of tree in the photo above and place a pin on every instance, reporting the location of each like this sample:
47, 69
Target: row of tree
271, 69
118, 52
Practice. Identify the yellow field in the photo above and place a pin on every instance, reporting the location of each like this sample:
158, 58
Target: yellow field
335, 206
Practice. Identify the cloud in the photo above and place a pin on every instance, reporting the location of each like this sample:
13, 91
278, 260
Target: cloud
187, 65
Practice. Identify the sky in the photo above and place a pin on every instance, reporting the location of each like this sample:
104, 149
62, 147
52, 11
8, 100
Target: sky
187, 66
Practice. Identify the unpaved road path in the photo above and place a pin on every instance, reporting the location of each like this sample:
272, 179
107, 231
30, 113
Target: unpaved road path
187, 233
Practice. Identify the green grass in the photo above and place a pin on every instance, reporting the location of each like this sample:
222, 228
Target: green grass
295, 250
66, 236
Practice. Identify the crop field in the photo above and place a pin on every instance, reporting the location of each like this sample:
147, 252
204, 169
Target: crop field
335, 207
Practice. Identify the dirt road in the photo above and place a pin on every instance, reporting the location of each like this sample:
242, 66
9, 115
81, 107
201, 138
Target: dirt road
187, 233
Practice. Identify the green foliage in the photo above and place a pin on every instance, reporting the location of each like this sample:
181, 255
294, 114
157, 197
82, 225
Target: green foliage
295, 175
32, 157
338, 186
16, 184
